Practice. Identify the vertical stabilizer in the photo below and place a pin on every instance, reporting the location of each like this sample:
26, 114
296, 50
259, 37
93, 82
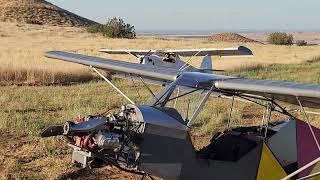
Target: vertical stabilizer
206, 65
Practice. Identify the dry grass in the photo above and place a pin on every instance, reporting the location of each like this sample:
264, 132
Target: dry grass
22, 48
25, 110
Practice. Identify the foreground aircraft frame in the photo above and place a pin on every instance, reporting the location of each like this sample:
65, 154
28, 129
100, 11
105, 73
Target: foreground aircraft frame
154, 139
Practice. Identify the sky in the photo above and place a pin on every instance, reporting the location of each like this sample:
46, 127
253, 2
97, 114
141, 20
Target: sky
203, 15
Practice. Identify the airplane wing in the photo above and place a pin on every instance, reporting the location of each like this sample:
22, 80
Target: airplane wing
120, 68
308, 94
234, 51
128, 51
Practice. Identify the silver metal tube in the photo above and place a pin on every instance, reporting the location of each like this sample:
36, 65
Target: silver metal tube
119, 91
310, 176
196, 113
309, 124
301, 169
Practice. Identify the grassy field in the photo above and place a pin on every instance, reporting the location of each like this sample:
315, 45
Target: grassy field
26, 110
24, 45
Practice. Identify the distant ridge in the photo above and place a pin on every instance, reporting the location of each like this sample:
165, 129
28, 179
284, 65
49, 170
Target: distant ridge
39, 12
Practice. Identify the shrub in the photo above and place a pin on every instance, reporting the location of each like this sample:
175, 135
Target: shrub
114, 28
301, 43
279, 38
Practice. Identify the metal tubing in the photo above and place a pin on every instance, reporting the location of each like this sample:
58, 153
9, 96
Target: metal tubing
119, 91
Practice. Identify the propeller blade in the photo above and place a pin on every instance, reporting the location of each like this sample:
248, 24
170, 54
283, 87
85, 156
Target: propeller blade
56, 130
142, 58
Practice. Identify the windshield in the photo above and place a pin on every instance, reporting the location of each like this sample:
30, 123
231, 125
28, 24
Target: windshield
185, 100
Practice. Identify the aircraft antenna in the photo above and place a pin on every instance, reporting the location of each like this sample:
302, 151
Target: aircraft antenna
115, 87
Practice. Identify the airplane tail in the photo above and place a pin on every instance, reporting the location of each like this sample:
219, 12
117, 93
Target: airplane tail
206, 65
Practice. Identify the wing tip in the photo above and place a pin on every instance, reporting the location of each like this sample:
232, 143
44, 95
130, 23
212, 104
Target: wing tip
49, 53
103, 50
245, 50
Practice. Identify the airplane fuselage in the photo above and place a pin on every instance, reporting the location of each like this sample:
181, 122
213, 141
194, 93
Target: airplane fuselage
162, 62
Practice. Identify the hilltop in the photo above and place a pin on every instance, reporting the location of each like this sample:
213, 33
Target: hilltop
39, 12
230, 37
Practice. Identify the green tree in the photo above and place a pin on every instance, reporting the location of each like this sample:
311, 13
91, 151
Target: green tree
279, 38
114, 28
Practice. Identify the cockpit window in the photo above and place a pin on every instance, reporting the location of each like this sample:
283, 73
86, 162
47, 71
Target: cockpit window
170, 57
184, 100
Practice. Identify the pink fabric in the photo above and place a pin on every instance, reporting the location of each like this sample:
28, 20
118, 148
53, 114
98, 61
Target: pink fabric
307, 148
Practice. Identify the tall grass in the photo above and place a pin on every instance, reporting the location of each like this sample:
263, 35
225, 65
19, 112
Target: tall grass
307, 72
22, 48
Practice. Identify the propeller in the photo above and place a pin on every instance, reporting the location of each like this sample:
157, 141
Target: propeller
142, 58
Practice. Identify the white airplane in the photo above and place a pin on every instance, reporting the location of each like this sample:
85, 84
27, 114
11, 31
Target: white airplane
171, 58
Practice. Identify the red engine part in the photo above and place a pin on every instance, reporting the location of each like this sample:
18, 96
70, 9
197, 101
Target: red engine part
82, 136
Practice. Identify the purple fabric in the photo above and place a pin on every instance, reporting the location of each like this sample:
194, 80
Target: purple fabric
307, 148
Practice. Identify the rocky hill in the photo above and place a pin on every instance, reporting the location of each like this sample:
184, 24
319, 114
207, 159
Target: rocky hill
39, 12
230, 37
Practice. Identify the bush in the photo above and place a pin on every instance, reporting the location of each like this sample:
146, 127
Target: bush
114, 28
279, 38
301, 43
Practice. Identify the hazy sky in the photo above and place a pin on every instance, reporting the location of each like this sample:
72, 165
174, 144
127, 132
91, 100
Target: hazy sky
231, 15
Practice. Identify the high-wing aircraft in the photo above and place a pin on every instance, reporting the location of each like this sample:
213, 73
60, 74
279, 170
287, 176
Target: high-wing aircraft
171, 58
154, 139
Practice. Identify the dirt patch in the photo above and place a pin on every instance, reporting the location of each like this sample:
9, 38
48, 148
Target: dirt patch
24, 157
99, 174
231, 37
9, 152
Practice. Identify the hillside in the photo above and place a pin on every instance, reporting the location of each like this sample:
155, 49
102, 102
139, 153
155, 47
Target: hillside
39, 12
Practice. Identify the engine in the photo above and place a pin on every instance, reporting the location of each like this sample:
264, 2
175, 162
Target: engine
134, 140
104, 140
